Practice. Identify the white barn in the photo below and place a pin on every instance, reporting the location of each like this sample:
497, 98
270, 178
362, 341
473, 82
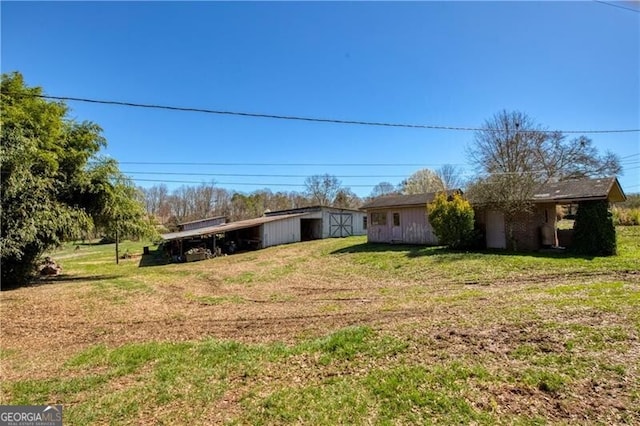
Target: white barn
276, 228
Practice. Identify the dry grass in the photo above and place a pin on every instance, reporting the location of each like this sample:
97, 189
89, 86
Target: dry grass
527, 338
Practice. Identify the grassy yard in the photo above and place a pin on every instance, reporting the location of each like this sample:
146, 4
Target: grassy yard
331, 331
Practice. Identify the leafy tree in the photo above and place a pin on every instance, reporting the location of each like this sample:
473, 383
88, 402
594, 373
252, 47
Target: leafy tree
422, 182
452, 220
322, 189
50, 189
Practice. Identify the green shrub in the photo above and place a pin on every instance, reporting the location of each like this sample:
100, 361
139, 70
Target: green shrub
594, 233
452, 220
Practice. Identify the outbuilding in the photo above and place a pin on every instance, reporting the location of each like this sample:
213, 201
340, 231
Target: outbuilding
400, 219
536, 229
321, 222
275, 228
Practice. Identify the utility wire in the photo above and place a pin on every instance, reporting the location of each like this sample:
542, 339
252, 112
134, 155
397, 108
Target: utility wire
629, 156
261, 184
275, 175
257, 175
160, 163
193, 163
309, 119
616, 5
265, 184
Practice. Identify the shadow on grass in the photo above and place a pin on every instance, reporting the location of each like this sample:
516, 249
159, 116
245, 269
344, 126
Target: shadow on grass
154, 258
409, 250
63, 278
413, 251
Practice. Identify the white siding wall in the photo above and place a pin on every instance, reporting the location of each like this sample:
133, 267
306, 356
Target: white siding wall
357, 218
281, 232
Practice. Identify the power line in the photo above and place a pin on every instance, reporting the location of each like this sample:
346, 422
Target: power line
194, 163
616, 5
162, 163
308, 119
257, 175
629, 156
261, 184
278, 175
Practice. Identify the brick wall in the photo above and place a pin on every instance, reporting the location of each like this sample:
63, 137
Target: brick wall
526, 227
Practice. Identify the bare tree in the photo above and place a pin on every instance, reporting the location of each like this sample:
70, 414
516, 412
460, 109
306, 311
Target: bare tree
222, 202
450, 176
347, 199
322, 189
421, 182
511, 142
204, 201
506, 153
154, 199
564, 159
383, 188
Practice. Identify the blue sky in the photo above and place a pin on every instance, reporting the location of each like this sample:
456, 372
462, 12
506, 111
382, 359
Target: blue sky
568, 65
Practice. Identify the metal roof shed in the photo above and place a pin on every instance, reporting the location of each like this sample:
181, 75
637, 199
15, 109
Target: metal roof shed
270, 230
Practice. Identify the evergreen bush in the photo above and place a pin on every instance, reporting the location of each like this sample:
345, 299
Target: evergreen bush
593, 231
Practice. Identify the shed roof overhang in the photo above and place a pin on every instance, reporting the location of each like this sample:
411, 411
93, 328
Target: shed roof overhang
574, 191
226, 227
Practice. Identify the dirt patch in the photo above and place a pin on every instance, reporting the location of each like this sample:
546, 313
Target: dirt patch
498, 323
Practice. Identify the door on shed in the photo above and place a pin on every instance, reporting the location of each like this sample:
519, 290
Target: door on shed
396, 229
340, 224
496, 237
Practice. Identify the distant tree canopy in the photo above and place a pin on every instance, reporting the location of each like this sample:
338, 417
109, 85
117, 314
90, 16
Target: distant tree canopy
53, 185
187, 203
421, 182
383, 188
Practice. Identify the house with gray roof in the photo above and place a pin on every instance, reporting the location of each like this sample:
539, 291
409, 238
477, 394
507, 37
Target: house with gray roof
404, 219
400, 219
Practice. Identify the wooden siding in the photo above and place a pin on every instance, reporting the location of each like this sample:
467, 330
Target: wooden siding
281, 232
414, 225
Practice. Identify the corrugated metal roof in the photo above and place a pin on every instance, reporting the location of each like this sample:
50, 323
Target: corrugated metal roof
581, 190
226, 227
309, 209
202, 220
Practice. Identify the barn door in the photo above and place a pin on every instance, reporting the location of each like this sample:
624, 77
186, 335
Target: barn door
340, 224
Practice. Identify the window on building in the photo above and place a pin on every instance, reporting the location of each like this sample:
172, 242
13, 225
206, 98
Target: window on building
396, 219
364, 222
379, 218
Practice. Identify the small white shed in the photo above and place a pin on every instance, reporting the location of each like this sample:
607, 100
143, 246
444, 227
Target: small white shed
320, 222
